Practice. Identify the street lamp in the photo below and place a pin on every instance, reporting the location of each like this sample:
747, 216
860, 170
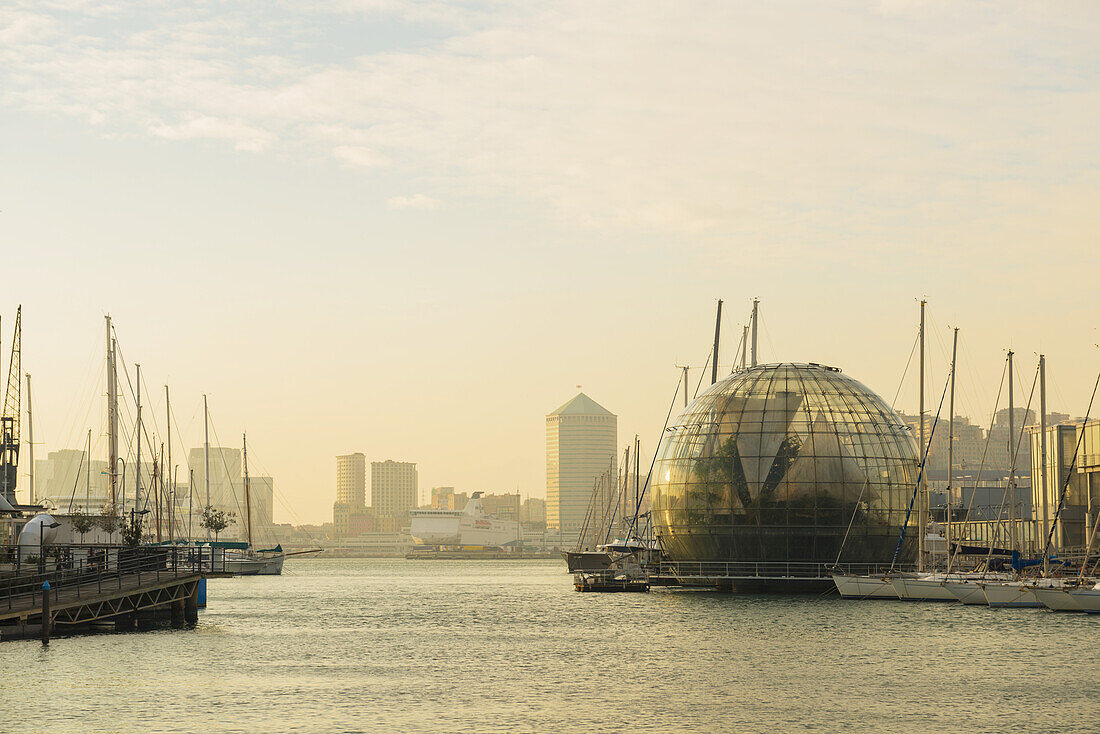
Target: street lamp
41, 543
133, 525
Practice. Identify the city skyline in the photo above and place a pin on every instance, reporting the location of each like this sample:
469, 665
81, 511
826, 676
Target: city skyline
413, 240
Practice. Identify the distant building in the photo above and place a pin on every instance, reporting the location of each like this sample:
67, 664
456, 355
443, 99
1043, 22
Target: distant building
351, 480
1079, 480
393, 489
261, 490
351, 492
581, 440
533, 513
225, 476
502, 506
341, 519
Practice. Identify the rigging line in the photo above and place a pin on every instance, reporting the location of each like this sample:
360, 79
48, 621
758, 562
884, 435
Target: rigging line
232, 489
855, 510
981, 467
1013, 451
86, 398
702, 374
740, 344
76, 481
1069, 472
283, 501
641, 494
920, 473
767, 334
905, 372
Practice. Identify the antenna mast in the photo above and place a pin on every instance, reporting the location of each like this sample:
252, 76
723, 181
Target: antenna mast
755, 315
717, 334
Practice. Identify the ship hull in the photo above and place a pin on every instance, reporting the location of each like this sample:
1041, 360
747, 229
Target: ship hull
864, 587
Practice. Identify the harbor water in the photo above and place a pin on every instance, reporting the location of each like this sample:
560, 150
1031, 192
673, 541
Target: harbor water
363, 645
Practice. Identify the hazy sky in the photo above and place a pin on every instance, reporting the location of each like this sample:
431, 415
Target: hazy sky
412, 228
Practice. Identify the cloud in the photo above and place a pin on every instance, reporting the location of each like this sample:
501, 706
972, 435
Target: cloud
760, 124
243, 136
416, 201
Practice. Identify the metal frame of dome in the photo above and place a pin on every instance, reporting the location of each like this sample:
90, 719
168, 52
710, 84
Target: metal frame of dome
779, 463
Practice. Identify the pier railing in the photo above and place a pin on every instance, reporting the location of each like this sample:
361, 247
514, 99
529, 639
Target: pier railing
92, 570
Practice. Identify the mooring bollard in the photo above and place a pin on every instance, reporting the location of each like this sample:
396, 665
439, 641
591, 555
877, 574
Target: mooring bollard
46, 611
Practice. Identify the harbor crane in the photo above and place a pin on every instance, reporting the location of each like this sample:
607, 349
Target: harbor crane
9, 419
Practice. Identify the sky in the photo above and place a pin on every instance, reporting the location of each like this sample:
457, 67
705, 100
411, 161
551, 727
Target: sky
413, 229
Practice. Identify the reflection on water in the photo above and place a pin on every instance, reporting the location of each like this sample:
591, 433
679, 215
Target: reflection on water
391, 645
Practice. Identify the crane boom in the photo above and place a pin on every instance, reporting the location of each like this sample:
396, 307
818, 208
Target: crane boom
9, 420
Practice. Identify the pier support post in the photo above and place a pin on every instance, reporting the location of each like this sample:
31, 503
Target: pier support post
46, 612
178, 612
191, 609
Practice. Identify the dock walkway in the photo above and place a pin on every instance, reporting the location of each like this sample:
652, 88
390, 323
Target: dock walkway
91, 584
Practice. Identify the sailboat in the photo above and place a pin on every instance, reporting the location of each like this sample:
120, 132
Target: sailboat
880, 586
249, 561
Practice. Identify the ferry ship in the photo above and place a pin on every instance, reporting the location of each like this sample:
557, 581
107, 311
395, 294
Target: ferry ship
466, 528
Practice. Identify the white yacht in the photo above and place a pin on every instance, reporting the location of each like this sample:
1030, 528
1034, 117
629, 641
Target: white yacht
864, 587
1009, 594
1087, 599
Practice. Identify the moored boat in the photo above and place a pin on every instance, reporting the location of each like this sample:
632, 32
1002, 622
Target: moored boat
1088, 599
1057, 600
927, 587
1009, 594
864, 587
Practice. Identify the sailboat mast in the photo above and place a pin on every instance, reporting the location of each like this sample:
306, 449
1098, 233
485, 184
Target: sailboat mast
1011, 459
88, 473
170, 494
717, 334
1043, 457
951, 444
921, 453
30, 442
247, 493
112, 418
637, 480
137, 486
744, 345
158, 487
206, 448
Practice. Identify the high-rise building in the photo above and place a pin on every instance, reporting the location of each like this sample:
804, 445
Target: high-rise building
581, 439
225, 475
351, 480
261, 492
351, 492
393, 488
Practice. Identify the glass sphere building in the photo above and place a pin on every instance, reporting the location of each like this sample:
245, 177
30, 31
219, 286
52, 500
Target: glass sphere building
774, 463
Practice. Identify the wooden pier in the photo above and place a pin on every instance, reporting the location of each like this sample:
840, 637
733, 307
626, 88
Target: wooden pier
80, 587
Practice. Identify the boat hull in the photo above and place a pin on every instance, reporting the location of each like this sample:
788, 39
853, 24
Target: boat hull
587, 561
911, 589
1088, 599
967, 593
1058, 600
273, 566
1010, 595
243, 566
864, 587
